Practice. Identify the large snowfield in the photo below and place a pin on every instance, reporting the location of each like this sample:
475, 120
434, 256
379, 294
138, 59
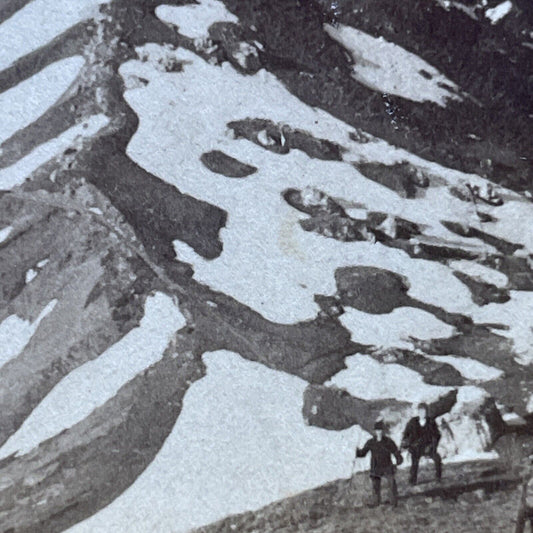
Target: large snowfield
268, 262
241, 441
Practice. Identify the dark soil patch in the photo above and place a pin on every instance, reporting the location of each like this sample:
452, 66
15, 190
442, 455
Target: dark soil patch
221, 163
402, 178
157, 211
517, 269
359, 287
483, 293
280, 139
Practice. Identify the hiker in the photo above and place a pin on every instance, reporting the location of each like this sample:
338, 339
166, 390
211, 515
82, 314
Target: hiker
421, 438
525, 511
381, 449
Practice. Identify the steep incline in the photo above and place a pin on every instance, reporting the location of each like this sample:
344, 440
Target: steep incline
203, 203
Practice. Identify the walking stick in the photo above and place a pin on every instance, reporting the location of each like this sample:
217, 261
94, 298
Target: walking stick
352, 473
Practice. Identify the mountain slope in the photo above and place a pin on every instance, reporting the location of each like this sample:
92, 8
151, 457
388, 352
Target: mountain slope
297, 214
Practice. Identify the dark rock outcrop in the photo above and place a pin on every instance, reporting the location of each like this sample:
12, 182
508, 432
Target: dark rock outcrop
371, 289
280, 138
433, 372
335, 409
482, 292
221, 163
402, 178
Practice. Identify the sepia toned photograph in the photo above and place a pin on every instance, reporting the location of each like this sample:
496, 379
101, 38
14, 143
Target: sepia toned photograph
266, 266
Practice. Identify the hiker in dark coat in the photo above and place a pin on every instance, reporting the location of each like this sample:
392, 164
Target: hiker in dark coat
421, 438
381, 450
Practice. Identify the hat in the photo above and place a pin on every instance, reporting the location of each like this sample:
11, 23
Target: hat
424, 406
378, 424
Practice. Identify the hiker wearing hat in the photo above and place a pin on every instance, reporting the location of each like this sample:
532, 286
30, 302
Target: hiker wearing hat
421, 438
381, 450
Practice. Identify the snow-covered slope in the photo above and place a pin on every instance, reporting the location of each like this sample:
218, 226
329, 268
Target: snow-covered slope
233, 234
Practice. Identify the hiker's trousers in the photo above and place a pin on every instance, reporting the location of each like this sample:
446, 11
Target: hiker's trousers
393, 489
415, 459
525, 513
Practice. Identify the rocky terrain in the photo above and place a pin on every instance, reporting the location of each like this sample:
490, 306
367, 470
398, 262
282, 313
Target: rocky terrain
233, 234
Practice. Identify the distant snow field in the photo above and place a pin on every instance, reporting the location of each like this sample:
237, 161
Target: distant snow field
28, 100
498, 12
193, 20
17, 173
79, 393
470, 368
389, 68
239, 443
16, 332
5, 232
517, 315
44, 20
393, 329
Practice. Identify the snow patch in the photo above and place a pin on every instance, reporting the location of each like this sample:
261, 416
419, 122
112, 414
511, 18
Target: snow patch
92, 384
185, 253
394, 329
245, 50
193, 20
16, 174
529, 406
27, 101
517, 315
5, 232
475, 270
366, 378
43, 20
389, 68
16, 332
497, 13
470, 368
239, 443
469, 435
31, 274
514, 222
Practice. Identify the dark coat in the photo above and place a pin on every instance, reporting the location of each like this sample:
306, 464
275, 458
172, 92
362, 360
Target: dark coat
380, 456
421, 440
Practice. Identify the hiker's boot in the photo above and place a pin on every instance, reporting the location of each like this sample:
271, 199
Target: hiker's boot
374, 502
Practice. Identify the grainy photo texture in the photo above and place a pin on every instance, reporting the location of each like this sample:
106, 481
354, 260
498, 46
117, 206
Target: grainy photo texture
266, 266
